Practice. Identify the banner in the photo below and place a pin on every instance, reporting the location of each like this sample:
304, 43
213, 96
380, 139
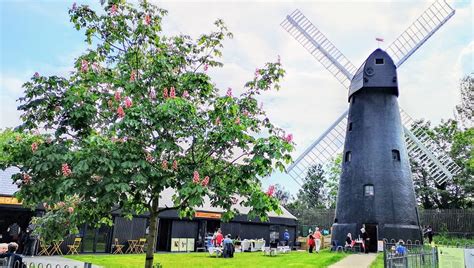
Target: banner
450, 257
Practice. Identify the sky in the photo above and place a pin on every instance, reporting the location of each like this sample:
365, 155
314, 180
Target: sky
38, 37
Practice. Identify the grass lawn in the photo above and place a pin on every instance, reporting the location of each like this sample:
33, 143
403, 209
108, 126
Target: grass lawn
378, 262
191, 260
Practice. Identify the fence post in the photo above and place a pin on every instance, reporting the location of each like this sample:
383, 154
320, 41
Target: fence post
87, 265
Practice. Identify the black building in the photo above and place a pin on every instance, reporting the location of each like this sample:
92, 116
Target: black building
171, 228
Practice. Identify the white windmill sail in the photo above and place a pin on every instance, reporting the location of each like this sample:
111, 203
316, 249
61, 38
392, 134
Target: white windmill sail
422, 149
319, 46
420, 31
322, 150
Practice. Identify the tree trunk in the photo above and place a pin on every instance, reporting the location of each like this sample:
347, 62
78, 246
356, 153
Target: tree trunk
151, 238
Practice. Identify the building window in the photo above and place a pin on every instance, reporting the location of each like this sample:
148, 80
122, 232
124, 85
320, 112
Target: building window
369, 190
348, 157
396, 155
350, 126
379, 61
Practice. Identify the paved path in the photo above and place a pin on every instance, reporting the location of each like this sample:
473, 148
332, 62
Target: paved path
355, 261
54, 260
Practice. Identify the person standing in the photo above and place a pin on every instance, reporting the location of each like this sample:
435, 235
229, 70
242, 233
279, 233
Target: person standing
310, 243
31, 241
286, 237
219, 238
317, 239
429, 233
366, 239
14, 231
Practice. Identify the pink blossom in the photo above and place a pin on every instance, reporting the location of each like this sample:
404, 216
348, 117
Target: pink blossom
246, 113
61, 204
34, 147
36, 75
229, 92
185, 94
149, 158
205, 182
110, 103
288, 138
165, 93
26, 178
195, 177
234, 200
237, 120
206, 66
117, 96
45, 205
172, 93
66, 170
133, 75
70, 209
152, 94
147, 19
218, 120
175, 165
257, 72
84, 66
95, 67
120, 112
74, 6
271, 190
96, 178
128, 102
113, 10
164, 164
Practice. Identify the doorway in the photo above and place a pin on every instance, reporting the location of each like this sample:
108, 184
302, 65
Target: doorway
372, 231
164, 235
95, 240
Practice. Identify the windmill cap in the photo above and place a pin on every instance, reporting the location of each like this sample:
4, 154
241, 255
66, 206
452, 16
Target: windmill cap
377, 72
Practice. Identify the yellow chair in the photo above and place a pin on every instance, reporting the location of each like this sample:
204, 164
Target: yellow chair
43, 249
118, 248
140, 245
73, 248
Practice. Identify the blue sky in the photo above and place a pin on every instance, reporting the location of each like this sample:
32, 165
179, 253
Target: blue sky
38, 37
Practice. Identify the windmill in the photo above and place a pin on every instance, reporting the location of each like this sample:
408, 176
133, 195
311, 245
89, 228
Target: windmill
375, 188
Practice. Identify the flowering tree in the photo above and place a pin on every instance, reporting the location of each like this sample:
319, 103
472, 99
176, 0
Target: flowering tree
138, 115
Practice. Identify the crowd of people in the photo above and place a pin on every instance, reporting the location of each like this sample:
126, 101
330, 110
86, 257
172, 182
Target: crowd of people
25, 240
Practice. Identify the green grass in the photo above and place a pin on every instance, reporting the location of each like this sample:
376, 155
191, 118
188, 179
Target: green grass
191, 260
441, 239
378, 262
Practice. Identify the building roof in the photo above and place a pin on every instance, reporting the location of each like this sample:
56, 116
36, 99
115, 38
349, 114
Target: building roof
166, 201
7, 187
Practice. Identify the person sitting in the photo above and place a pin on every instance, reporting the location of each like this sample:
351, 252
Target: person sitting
3, 250
400, 250
228, 247
349, 240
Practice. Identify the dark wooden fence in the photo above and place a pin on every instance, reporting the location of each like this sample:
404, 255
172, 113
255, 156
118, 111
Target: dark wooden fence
449, 221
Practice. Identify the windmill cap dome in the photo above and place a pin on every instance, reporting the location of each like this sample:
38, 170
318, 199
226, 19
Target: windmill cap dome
377, 71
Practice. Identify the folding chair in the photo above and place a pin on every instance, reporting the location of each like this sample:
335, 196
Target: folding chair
116, 247
73, 248
43, 249
140, 245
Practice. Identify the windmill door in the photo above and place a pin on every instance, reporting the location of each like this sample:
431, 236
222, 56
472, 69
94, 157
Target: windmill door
372, 231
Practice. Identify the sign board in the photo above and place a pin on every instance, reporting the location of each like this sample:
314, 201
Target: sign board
8, 200
450, 257
190, 246
207, 215
380, 245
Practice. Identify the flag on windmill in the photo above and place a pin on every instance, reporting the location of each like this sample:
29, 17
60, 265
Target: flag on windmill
379, 39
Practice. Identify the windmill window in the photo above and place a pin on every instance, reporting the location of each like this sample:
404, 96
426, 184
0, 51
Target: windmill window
396, 155
350, 126
348, 157
369, 190
379, 61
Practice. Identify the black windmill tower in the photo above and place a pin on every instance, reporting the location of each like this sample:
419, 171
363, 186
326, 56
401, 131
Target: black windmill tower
375, 187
